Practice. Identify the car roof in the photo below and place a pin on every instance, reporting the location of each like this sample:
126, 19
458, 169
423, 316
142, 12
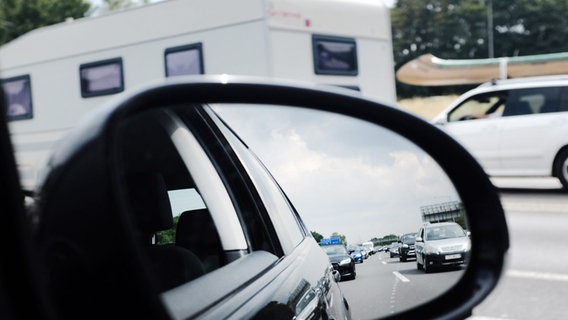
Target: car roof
526, 80
437, 224
505, 84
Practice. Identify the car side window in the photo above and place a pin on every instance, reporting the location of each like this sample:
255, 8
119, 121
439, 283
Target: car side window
533, 101
563, 104
487, 105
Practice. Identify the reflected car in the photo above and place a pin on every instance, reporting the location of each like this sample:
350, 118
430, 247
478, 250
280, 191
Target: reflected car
341, 260
364, 251
407, 249
358, 255
393, 249
440, 245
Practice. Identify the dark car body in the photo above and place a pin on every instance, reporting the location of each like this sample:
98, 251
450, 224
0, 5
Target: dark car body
358, 255
341, 260
393, 249
280, 266
407, 248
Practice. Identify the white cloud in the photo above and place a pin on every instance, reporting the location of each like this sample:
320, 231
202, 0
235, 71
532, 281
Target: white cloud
343, 176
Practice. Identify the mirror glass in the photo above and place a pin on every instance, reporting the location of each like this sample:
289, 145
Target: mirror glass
361, 183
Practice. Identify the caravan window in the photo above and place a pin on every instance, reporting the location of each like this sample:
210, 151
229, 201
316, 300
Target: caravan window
19, 97
184, 60
335, 56
101, 78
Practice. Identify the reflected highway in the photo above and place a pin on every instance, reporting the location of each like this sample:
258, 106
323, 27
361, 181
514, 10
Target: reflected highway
384, 286
534, 284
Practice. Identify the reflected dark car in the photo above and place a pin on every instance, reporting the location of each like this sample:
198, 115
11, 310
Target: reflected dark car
162, 172
358, 254
341, 260
406, 249
393, 249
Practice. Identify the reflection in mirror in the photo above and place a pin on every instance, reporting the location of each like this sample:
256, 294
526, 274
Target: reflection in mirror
363, 183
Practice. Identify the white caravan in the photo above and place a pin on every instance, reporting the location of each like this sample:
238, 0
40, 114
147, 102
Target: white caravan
54, 75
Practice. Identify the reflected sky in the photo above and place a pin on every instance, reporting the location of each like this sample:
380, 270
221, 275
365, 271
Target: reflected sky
343, 175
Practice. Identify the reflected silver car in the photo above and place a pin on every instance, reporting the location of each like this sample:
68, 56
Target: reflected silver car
441, 244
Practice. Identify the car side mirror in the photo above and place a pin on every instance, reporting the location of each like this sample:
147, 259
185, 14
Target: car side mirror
419, 239
336, 276
91, 238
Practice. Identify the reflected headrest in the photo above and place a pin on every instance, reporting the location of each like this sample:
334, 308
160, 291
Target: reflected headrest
149, 201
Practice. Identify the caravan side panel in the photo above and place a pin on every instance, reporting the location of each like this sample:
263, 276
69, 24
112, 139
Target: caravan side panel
293, 26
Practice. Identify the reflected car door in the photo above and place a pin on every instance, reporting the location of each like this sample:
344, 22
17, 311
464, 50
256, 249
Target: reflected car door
301, 283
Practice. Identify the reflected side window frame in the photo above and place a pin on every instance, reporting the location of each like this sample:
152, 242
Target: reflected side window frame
269, 192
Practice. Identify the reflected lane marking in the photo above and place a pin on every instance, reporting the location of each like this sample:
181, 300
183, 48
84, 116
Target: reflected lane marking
537, 275
400, 276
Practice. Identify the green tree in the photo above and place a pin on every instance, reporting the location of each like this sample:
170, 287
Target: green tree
525, 27
317, 236
112, 5
20, 16
448, 29
458, 29
390, 237
168, 236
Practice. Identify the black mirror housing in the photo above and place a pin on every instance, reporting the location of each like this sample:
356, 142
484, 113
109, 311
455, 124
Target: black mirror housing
114, 281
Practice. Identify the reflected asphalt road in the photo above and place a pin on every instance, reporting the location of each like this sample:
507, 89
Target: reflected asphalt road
385, 285
535, 283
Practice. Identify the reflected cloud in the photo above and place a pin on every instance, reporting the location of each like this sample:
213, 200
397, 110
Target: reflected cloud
343, 175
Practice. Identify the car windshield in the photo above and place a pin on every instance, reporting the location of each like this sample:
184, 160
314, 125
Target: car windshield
408, 239
334, 250
444, 232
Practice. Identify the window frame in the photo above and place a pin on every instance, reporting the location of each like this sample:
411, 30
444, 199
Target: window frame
85, 93
188, 47
29, 114
318, 39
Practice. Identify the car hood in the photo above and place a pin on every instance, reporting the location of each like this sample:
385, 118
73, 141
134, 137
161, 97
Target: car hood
450, 245
338, 257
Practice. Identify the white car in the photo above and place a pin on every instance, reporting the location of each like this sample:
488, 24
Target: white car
515, 127
441, 244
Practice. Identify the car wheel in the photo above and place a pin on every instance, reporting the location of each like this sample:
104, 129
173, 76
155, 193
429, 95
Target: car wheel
427, 269
561, 168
